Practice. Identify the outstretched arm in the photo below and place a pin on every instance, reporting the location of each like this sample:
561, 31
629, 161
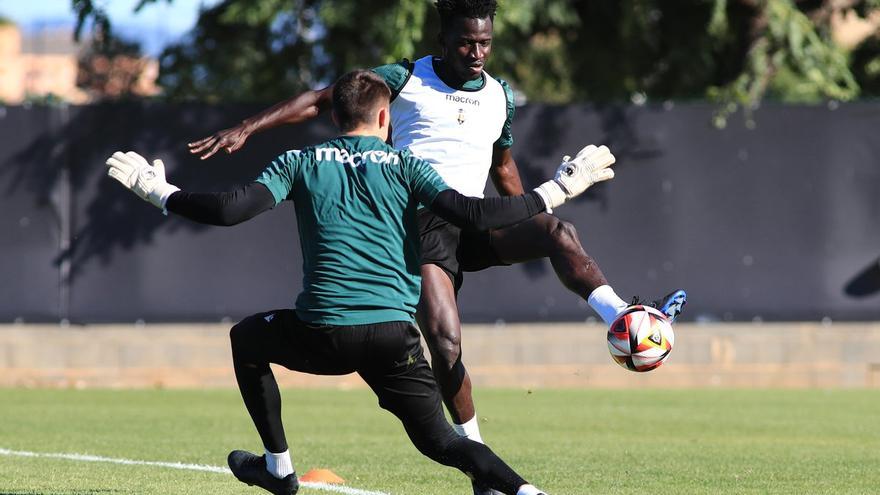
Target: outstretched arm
487, 213
223, 208
295, 110
573, 177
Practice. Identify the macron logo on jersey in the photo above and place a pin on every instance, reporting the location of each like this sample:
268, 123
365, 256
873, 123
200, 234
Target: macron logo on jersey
463, 99
355, 159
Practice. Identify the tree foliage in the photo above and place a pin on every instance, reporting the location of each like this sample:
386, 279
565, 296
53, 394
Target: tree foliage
241, 53
733, 51
113, 69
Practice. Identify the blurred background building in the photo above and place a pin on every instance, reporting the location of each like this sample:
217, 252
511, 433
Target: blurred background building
38, 64
48, 64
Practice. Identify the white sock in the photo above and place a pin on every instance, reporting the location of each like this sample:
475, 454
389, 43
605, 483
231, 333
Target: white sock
529, 490
605, 302
279, 465
470, 429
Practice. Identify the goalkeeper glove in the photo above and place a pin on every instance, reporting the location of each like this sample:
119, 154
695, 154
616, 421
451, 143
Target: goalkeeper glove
574, 176
143, 179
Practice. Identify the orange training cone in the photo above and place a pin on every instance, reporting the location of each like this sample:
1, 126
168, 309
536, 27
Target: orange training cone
322, 476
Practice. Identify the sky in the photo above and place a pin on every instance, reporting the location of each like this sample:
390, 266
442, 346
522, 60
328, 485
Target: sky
154, 26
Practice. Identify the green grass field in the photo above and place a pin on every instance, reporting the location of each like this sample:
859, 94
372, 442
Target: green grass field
566, 442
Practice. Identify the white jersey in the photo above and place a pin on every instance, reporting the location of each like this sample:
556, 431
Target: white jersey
453, 130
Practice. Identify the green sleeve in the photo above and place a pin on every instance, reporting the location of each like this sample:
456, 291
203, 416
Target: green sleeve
425, 183
278, 176
395, 75
506, 138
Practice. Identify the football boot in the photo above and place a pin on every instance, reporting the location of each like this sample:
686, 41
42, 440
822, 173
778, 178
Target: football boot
251, 469
670, 305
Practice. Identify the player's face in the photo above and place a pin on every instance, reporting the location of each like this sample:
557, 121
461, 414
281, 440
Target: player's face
466, 46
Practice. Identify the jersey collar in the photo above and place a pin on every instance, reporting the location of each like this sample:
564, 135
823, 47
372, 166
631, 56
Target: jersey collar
473, 85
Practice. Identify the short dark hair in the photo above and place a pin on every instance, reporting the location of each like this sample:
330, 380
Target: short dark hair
356, 98
471, 9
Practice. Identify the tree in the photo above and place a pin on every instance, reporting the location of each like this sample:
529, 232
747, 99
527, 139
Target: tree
241, 51
109, 66
115, 69
736, 52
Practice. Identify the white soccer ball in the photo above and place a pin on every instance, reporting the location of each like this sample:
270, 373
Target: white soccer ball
640, 339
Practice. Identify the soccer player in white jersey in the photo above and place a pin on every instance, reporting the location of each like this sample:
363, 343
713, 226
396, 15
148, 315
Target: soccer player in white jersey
450, 112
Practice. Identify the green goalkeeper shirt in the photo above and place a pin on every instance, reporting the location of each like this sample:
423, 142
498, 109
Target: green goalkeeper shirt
355, 199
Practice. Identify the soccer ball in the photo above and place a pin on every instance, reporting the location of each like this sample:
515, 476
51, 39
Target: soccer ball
640, 339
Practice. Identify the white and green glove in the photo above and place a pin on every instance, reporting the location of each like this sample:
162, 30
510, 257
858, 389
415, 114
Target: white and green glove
575, 175
143, 179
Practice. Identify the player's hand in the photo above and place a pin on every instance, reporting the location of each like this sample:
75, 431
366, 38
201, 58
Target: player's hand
589, 166
576, 175
145, 180
230, 140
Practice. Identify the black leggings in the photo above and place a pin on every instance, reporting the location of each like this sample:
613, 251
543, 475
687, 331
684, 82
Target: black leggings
388, 356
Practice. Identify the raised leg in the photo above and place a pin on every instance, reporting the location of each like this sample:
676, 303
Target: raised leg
546, 236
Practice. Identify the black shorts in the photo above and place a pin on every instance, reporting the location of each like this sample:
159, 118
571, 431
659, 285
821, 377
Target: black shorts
455, 250
388, 356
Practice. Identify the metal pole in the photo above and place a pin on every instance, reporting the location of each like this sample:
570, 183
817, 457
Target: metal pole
65, 217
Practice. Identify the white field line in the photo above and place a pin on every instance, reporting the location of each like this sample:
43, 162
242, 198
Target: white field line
176, 465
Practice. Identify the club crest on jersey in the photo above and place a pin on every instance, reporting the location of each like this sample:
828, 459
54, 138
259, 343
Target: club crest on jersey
460, 116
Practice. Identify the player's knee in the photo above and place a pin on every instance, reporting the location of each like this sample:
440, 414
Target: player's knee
562, 234
454, 450
445, 346
430, 450
238, 337
438, 449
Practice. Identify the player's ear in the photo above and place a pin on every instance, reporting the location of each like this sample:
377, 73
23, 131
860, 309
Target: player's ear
383, 116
